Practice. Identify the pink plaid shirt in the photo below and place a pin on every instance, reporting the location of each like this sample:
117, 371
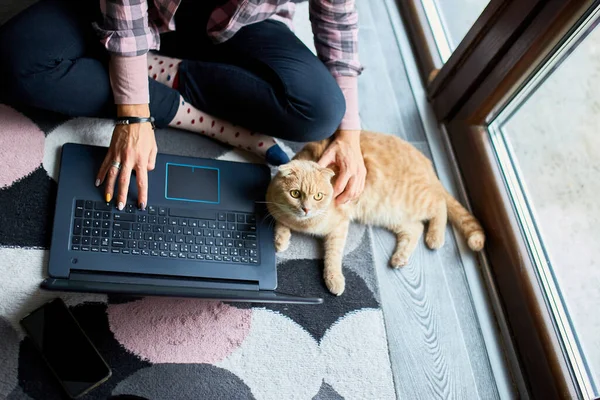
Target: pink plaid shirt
129, 30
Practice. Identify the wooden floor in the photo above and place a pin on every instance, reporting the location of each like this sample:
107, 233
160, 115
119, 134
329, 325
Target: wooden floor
436, 344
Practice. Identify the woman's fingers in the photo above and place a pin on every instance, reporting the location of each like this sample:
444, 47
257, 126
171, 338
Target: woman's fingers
110, 178
124, 178
152, 158
141, 177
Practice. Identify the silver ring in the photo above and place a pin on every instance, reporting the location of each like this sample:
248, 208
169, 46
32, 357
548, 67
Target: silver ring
116, 164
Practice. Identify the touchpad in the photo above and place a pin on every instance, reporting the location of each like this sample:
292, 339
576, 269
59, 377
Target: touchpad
192, 183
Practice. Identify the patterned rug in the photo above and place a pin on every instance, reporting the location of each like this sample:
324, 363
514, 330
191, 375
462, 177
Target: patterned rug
164, 348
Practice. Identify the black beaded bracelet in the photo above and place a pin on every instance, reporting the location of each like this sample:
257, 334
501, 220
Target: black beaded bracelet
134, 120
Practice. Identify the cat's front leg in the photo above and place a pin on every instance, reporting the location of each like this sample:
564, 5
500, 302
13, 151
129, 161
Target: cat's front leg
334, 252
282, 237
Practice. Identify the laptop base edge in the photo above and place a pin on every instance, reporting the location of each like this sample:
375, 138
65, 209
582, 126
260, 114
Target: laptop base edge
246, 296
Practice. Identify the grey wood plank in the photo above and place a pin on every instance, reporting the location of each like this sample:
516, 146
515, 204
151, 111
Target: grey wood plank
457, 285
428, 354
378, 105
407, 107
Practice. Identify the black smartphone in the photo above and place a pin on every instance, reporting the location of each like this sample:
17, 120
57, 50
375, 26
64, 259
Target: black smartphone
67, 350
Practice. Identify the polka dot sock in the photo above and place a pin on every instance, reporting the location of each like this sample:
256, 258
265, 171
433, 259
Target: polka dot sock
164, 70
191, 119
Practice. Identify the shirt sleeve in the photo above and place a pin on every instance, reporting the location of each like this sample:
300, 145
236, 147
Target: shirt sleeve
125, 32
335, 30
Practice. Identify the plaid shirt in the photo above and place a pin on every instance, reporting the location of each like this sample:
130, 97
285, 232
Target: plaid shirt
129, 29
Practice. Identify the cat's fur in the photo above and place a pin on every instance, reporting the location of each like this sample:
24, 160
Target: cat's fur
401, 192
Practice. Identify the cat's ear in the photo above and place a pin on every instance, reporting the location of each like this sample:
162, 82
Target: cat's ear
329, 173
285, 170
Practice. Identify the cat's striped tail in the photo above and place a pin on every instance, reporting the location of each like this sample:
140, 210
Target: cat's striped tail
465, 222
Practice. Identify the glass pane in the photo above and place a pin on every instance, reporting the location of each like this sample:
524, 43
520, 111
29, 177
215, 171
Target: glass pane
450, 20
550, 135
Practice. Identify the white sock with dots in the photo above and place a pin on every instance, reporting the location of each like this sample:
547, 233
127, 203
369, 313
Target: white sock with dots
164, 70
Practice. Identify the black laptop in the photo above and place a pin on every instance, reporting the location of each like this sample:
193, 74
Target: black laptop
205, 232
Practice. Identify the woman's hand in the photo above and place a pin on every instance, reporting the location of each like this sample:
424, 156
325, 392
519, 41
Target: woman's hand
344, 152
134, 147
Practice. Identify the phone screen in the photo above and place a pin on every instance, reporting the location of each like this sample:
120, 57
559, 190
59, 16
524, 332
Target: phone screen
66, 348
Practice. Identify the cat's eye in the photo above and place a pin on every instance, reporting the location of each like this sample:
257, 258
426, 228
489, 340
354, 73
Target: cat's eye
295, 193
319, 196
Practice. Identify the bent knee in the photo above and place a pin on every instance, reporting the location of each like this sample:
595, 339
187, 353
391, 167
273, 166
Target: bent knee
318, 112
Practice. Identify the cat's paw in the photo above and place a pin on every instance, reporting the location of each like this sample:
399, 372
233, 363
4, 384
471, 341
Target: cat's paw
282, 240
434, 239
336, 283
476, 241
399, 260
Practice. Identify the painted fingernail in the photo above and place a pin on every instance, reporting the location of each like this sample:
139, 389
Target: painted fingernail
97, 182
121, 205
142, 206
108, 197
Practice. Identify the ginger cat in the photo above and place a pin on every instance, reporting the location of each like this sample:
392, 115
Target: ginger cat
401, 192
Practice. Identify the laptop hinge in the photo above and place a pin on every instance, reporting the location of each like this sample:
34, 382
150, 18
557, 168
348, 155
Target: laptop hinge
162, 280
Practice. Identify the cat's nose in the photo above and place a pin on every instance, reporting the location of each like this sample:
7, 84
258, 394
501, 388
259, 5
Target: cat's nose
306, 210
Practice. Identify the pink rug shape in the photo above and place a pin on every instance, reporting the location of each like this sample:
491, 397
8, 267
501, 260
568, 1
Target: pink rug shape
21, 146
163, 330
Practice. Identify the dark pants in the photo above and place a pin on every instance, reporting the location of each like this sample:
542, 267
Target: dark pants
263, 78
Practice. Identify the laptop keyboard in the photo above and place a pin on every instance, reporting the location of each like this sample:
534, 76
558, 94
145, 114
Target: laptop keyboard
219, 236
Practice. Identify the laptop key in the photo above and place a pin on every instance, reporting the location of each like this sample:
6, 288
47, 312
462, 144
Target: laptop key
89, 204
142, 218
117, 234
209, 257
245, 260
219, 242
87, 222
253, 260
146, 227
76, 240
253, 253
79, 212
218, 258
199, 240
248, 236
184, 248
119, 225
231, 227
222, 226
117, 251
227, 234
145, 253
241, 218
237, 235
87, 214
221, 216
124, 217
162, 211
230, 217
135, 252
250, 219
104, 242
159, 237
105, 215
224, 251
103, 250
164, 254
214, 250
151, 210
102, 206
96, 223
239, 244
191, 256
97, 215
209, 241
212, 225
182, 255
172, 254
95, 241
189, 239
125, 251
218, 234
152, 219
236, 259
117, 243
149, 236
86, 232
163, 246
199, 256
226, 258
77, 227
188, 231
234, 252
142, 245
204, 249
105, 233
158, 228
180, 239
250, 244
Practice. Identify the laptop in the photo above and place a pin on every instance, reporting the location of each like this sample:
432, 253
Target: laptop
205, 233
